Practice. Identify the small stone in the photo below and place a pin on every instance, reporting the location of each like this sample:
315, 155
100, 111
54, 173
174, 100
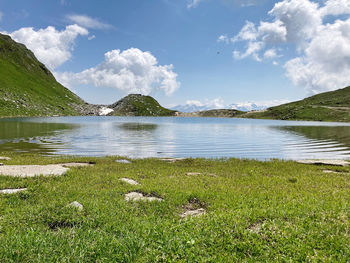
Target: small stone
129, 181
5, 158
12, 191
1, 164
189, 174
122, 161
76, 205
69, 165
135, 196
171, 160
193, 213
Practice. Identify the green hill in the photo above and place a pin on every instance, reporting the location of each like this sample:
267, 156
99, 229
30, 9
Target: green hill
139, 105
328, 106
27, 87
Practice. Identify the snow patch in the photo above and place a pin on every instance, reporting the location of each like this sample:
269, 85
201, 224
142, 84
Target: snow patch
104, 111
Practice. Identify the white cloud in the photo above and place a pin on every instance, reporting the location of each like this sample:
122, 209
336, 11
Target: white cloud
87, 22
252, 50
131, 70
336, 7
193, 3
50, 46
223, 38
270, 54
323, 46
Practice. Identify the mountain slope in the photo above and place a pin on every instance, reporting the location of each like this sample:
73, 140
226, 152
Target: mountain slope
139, 105
27, 87
328, 106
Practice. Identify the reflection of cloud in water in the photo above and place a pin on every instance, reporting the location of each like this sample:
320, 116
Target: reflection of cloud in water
317, 142
128, 139
177, 137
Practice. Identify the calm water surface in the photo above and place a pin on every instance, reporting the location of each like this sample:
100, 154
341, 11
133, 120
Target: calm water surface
139, 137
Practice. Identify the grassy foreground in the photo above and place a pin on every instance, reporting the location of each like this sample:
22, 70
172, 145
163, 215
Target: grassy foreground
256, 211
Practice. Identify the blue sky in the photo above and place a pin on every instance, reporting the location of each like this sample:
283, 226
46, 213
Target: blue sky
183, 51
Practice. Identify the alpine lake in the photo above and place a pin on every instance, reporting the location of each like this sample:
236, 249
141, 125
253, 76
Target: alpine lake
143, 137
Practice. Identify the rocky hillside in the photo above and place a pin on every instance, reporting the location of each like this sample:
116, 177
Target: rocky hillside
328, 106
139, 105
28, 88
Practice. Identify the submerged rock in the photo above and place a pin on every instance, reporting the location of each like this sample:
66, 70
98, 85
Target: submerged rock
135, 196
12, 191
129, 181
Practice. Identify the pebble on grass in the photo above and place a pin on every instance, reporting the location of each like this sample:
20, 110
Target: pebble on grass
190, 174
122, 161
12, 191
193, 208
129, 181
135, 196
193, 213
76, 205
171, 160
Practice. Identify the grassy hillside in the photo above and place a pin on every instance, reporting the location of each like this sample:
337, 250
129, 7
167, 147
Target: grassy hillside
139, 105
328, 106
27, 87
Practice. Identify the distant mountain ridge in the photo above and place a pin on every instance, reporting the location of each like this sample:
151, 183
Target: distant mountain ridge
249, 106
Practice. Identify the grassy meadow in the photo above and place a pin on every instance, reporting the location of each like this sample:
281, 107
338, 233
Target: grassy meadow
273, 211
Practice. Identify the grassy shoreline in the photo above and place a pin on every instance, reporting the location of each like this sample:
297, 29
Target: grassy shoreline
271, 211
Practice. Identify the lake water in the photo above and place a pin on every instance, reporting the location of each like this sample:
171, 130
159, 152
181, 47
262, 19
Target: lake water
139, 137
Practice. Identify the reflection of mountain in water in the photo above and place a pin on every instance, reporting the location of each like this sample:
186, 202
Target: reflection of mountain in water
16, 135
136, 126
340, 134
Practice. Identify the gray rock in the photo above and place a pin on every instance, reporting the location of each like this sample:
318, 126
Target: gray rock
76, 205
122, 161
135, 196
5, 158
193, 213
12, 191
32, 170
129, 181
189, 174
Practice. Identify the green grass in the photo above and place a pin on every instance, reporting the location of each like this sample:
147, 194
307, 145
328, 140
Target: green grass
272, 211
139, 105
27, 87
328, 106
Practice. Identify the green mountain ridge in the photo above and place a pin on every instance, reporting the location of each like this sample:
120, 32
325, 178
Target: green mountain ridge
139, 105
327, 106
28, 88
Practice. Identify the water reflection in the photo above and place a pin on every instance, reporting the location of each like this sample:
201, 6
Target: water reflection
139, 137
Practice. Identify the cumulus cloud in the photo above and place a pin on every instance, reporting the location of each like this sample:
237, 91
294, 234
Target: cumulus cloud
131, 70
87, 22
51, 46
323, 46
